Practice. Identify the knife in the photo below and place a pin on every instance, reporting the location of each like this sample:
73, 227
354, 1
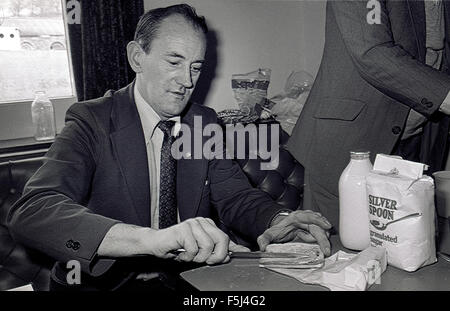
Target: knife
248, 255
254, 254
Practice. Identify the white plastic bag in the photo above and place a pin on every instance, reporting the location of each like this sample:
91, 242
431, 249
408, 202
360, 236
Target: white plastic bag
250, 89
343, 271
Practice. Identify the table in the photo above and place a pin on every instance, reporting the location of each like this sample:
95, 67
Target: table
246, 275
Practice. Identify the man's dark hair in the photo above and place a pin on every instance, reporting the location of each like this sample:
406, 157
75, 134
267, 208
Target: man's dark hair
150, 22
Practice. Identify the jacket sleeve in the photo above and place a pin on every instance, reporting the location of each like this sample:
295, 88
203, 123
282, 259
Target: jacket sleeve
50, 216
385, 64
241, 207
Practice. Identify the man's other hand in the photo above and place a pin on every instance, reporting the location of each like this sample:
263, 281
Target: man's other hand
299, 226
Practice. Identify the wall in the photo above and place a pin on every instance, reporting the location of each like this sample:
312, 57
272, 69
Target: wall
252, 34
313, 21
246, 35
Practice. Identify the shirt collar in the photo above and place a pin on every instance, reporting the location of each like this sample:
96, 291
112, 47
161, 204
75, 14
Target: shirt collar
149, 117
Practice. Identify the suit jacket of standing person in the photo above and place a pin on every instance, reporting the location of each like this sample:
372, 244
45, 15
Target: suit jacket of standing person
96, 175
369, 79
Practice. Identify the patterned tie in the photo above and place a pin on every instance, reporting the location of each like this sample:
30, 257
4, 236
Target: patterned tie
168, 184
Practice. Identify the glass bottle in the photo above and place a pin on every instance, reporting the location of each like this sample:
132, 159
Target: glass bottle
43, 116
353, 204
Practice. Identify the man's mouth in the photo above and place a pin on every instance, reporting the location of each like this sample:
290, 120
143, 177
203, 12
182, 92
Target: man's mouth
179, 94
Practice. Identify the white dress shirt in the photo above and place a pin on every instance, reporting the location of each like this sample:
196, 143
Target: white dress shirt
153, 140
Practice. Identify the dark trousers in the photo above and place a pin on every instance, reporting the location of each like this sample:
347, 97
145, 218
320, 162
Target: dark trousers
409, 149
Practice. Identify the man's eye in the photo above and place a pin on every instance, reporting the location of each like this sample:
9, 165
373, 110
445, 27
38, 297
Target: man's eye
196, 69
174, 63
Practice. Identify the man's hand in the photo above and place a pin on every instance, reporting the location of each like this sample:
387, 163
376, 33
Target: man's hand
299, 226
199, 237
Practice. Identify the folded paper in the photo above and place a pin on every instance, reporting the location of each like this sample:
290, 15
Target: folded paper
395, 165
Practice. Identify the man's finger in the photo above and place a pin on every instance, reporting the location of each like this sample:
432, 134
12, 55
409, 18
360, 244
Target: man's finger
276, 234
204, 242
263, 241
308, 217
233, 247
220, 241
189, 244
303, 236
321, 236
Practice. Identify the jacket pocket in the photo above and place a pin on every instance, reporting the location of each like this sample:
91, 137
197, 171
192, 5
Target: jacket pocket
339, 109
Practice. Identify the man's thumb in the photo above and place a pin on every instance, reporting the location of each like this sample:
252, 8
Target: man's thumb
263, 241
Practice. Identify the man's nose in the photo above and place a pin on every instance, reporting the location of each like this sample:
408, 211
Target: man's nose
185, 79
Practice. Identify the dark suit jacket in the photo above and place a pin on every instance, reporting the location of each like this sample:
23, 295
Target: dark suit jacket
96, 175
369, 79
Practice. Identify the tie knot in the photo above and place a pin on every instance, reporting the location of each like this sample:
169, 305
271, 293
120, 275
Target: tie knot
166, 127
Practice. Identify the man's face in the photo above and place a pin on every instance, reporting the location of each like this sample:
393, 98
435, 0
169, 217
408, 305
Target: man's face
172, 67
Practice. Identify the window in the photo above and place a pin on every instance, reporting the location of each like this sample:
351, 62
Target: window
34, 56
33, 50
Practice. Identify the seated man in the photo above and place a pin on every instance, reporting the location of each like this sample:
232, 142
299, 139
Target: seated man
110, 187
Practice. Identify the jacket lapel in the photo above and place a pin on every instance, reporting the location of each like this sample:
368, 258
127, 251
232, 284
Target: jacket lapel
128, 142
417, 14
191, 173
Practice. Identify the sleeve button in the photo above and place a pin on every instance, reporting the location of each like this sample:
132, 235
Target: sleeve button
396, 130
69, 244
76, 246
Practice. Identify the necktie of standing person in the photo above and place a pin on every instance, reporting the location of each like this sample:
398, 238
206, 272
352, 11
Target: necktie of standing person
167, 192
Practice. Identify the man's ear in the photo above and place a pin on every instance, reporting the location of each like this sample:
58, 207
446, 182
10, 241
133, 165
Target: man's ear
134, 54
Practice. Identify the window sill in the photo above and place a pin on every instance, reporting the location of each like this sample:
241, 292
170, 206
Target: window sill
16, 121
23, 148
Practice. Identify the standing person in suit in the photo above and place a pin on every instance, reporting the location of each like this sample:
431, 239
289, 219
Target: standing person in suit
111, 188
382, 87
